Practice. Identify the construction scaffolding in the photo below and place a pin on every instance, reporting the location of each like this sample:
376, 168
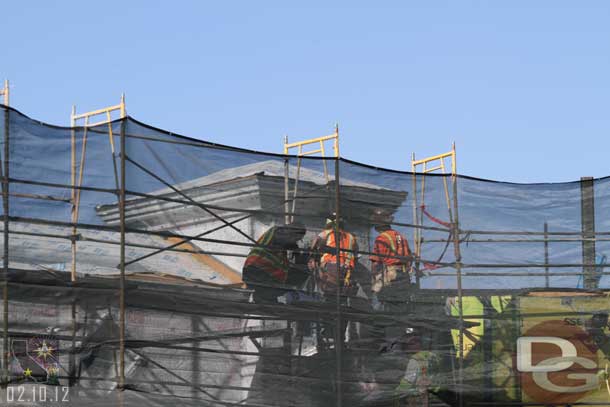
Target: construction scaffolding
130, 261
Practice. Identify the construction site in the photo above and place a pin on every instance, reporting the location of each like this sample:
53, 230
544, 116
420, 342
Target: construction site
132, 275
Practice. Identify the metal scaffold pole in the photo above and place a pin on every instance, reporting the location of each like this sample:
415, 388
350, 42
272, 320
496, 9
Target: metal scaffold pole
286, 183
73, 192
458, 268
122, 264
337, 232
587, 221
546, 255
5, 205
416, 231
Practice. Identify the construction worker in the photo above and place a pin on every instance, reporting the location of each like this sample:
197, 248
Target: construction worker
391, 260
333, 273
324, 258
267, 268
420, 374
391, 282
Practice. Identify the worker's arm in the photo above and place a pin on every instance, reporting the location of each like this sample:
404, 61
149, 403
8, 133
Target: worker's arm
314, 256
381, 249
298, 271
409, 261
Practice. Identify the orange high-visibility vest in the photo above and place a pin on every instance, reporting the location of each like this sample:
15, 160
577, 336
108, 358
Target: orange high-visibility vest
390, 243
272, 262
347, 242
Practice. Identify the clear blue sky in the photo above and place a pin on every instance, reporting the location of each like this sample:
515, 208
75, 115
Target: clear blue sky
523, 87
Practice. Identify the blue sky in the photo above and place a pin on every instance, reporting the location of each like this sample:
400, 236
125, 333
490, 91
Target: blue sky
522, 87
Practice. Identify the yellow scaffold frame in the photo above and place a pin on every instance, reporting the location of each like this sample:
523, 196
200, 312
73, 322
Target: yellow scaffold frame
455, 231
289, 217
423, 164
77, 183
5, 93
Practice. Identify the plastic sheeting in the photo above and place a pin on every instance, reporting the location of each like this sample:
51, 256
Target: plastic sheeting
501, 300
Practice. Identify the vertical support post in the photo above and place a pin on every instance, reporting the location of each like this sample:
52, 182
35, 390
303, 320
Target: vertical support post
587, 216
415, 263
5, 258
337, 231
72, 357
122, 109
122, 263
336, 141
73, 192
323, 154
487, 342
546, 256
458, 268
6, 92
195, 358
288, 218
286, 183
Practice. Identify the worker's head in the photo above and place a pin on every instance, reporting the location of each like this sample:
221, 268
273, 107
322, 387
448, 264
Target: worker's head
381, 219
411, 340
332, 220
599, 320
382, 227
293, 232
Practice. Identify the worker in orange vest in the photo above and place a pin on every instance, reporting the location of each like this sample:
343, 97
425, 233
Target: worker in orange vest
390, 266
267, 267
333, 273
391, 284
391, 258
324, 257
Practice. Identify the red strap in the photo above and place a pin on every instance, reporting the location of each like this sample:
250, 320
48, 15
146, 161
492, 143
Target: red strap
430, 266
433, 219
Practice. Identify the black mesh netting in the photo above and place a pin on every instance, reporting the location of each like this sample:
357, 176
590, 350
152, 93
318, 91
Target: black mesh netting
233, 277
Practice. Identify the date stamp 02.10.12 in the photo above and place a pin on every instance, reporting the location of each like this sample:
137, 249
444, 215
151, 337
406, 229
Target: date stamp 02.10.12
35, 394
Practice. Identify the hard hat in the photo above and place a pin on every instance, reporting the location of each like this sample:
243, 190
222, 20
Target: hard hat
332, 218
381, 217
296, 227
